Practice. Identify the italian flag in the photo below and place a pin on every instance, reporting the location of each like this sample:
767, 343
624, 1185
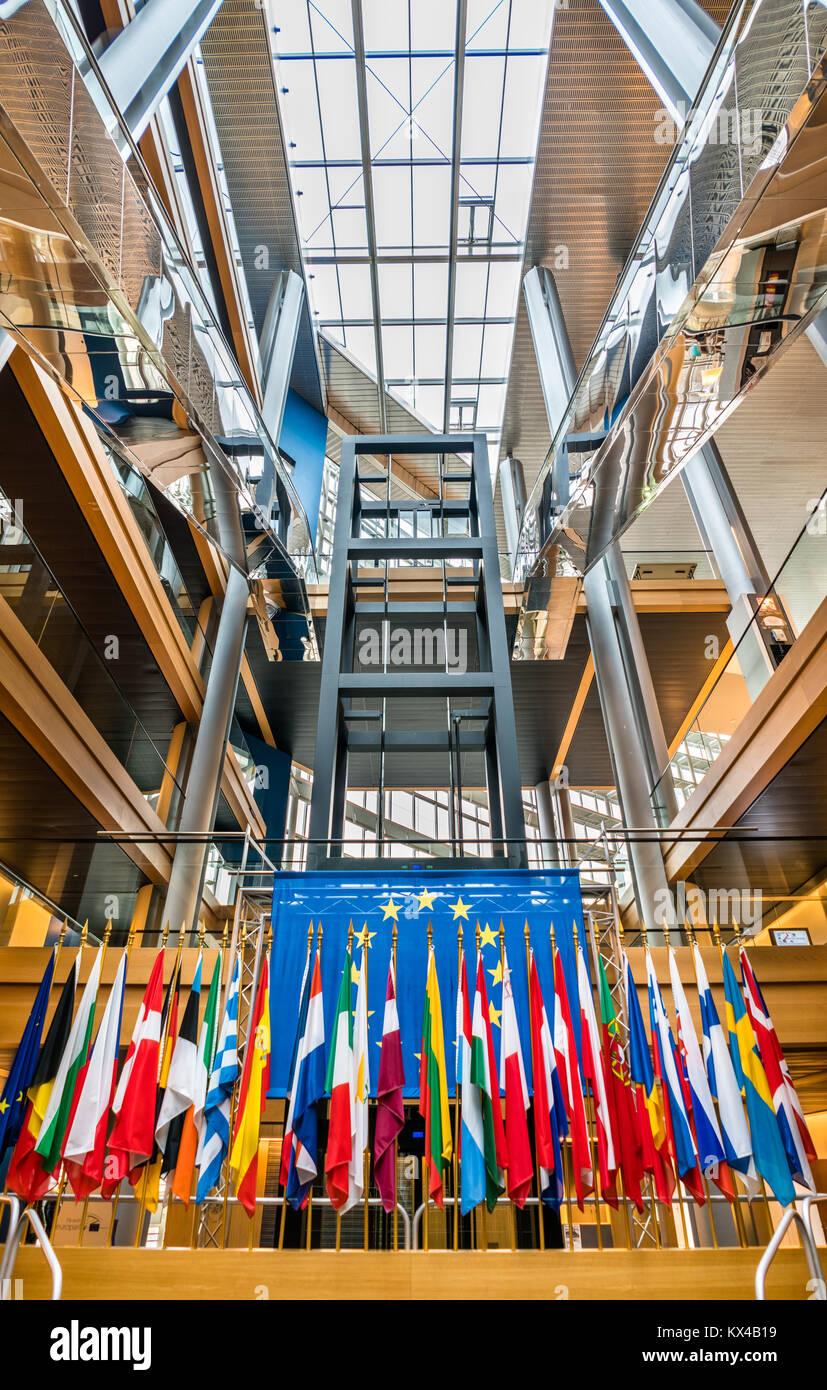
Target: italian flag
86, 1139
339, 1083
58, 1111
433, 1086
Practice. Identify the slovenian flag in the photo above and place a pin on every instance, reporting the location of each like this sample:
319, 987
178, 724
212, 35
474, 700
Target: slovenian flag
307, 1091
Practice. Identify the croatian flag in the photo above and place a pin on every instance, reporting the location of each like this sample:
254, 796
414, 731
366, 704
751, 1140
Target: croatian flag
308, 1090
472, 1133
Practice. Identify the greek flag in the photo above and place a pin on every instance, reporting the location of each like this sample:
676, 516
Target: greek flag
215, 1132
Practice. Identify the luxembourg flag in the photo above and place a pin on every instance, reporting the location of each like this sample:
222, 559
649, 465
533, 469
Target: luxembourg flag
795, 1135
472, 1133
722, 1083
710, 1146
308, 1090
550, 1124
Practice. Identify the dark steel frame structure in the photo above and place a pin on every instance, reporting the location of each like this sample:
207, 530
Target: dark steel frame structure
492, 684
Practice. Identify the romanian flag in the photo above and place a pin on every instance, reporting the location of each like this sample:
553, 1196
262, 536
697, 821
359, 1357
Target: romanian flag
433, 1086
254, 1082
767, 1148
27, 1176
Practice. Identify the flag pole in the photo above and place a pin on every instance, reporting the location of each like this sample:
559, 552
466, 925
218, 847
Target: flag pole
287, 1098
85, 1208
681, 1189
512, 1220
590, 1097
738, 1212
456, 1100
480, 1211
130, 941
241, 944
162, 1050
737, 929
309, 1235
350, 1001
570, 1138
394, 936
61, 1186
366, 1155
426, 1162
540, 1223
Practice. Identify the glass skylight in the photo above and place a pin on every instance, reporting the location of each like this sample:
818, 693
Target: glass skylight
410, 71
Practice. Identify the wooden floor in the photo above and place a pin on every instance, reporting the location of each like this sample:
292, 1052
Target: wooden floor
259, 1274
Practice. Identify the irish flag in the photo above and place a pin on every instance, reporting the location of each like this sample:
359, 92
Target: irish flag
433, 1086
58, 1111
339, 1084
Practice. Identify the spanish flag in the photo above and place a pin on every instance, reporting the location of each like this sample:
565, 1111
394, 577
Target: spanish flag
255, 1080
433, 1086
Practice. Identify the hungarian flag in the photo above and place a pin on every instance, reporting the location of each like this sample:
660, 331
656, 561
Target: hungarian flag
622, 1106
181, 1083
594, 1073
255, 1079
390, 1108
519, 1165
565, 1051
651, 1121
339, 1085
133, 1134
27, 1176
13, 1101
58, 1111
550, 1123
85, 1144
795, 1135
433, 1087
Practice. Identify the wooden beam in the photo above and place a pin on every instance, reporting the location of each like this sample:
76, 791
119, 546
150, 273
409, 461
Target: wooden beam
574, 715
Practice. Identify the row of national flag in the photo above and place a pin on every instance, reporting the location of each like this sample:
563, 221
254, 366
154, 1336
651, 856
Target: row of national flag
669, 1106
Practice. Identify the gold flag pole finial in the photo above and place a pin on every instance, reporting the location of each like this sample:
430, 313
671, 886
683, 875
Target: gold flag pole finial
309, 940
84, 932
430, 936
477, 934
164, 936
394, 939
60, 940
319, 931
225, 934
350, 937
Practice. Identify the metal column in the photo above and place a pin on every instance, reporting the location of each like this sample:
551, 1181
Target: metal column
204, 780
555, 360
633, 728
549, 849
672, 40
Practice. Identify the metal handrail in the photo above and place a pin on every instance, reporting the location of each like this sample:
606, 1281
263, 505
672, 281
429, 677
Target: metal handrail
13, 1244
804, 1223
452, 1201
10, 1200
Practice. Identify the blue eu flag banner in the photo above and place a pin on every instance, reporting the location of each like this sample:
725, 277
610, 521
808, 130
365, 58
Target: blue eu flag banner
409, 899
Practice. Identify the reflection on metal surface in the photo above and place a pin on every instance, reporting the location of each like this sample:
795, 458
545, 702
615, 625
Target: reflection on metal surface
97, 286
730, 265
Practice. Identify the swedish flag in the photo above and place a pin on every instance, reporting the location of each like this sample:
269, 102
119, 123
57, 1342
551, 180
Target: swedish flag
767, 1148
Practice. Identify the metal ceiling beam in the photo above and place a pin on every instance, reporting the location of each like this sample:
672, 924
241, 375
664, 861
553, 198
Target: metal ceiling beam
459, 83
367, 180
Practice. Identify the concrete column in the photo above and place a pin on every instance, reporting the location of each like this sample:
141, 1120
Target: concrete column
566, 822
204, 780
633, 727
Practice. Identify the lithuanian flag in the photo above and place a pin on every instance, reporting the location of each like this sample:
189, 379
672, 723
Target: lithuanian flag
433, 1086
254, 1082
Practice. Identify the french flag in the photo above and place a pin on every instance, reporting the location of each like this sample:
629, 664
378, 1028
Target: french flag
302, 1131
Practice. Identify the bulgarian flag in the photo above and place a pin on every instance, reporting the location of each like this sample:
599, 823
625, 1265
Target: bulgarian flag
27, 1176
85, 1143
58, 1111
339, 1084
433, 1086
565, 1051
255, 1080
513, 1083
594, 1073
133, 1134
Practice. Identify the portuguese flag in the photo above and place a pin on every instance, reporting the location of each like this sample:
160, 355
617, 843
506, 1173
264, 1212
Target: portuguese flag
339, 1083
433, 1086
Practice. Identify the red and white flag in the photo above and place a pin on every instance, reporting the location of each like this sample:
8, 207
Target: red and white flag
513, 1083
85, 1141
132, 1140
595, 1075
565, 1050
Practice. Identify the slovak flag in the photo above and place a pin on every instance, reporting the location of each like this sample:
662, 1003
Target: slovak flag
308, 1089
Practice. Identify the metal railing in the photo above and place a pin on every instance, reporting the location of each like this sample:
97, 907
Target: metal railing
804, 1222
17, 1224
